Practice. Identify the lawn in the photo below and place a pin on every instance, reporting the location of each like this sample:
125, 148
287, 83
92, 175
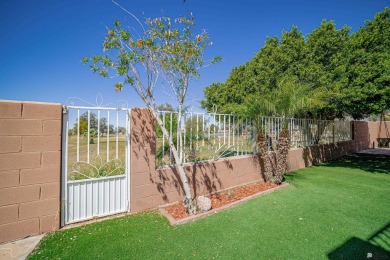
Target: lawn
338, 210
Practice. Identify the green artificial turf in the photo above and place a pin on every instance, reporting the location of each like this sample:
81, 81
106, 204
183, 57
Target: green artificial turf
338, 210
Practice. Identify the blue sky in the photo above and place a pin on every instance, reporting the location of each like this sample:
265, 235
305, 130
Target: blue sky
43, 41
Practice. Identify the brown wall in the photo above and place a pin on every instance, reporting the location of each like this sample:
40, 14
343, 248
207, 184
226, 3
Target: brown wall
151, 187
370, 131
30, 159
384, 129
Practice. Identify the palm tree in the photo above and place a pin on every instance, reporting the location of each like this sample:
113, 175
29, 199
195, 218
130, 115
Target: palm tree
256, 106
287, 100
290, 98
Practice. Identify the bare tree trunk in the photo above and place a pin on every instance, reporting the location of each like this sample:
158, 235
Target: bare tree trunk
188, 200
180, 140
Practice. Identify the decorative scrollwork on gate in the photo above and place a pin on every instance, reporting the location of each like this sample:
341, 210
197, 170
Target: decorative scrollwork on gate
72, 101
99, 169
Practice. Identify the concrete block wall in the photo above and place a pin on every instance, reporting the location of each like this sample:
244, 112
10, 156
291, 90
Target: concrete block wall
384, 129
361, 133
373, 131
304, 157
30, 160
368, 132
151, 187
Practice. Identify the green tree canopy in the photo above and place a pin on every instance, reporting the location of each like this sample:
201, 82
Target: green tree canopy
368, 73
354, 68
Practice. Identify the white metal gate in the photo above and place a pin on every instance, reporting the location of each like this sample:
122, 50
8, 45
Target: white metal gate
95, 162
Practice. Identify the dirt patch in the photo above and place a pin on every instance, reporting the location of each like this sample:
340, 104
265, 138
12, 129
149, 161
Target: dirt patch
178, 211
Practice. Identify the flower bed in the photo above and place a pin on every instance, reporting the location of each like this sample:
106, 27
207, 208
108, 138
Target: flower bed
222, 199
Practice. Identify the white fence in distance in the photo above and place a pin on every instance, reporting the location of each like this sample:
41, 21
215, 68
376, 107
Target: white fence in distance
210, 136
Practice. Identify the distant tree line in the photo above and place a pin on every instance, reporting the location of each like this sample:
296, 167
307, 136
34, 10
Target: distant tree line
104, 128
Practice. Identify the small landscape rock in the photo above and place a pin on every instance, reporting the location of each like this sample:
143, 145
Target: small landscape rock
204, 203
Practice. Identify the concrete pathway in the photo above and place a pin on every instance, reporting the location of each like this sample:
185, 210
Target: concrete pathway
379, 151
19, 249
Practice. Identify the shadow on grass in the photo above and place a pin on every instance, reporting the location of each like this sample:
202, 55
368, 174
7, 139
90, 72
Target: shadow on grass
367, 162
376, 247
293, 178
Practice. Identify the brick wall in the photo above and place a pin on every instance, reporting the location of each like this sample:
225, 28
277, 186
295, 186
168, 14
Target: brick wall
151, 187
30, 159
384, 129
373, 128
369, 132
